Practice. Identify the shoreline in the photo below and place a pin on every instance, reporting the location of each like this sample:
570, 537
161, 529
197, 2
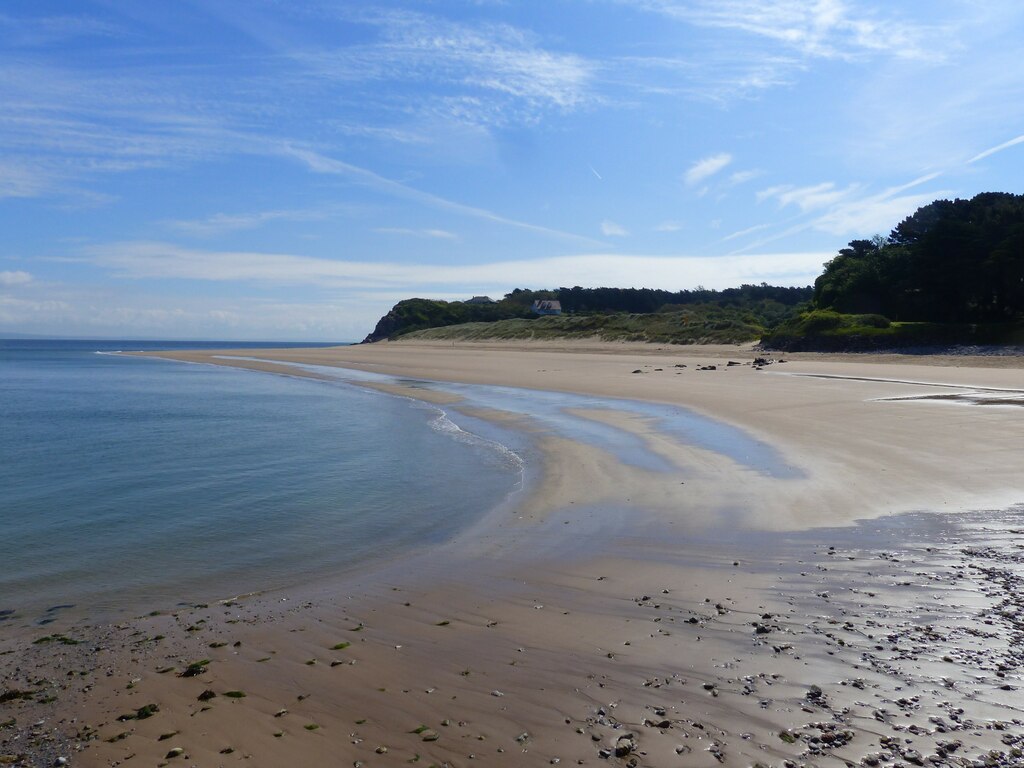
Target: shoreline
794, 414
64, 609
569, 622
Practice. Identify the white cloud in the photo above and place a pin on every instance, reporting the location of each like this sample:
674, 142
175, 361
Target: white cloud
11, 278
872, 215
716, 75
436, 234
814, 29
864, 215
745, 232
911, 184
491, 74
742, 177
15, 312
60, 124
19, 180
668, 226
848, 212
396, 135
104, 312
63, 123
808, 198
611, 229
745, 47
706, 168
938, 115
340, 300
149, 260
222, 223
321, 164
999, 148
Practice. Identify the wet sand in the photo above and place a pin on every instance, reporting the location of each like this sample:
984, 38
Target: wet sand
711, 615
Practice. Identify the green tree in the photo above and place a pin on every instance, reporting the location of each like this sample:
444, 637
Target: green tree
959, 261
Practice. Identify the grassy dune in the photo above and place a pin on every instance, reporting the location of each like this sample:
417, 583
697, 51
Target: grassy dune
661, 328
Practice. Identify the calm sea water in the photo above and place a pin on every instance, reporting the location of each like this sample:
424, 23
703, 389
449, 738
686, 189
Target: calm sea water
128, 483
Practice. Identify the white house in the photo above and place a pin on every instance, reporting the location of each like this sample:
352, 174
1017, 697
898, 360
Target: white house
547, 307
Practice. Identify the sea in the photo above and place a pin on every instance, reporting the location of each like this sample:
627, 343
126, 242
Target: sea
133, 484
130, 483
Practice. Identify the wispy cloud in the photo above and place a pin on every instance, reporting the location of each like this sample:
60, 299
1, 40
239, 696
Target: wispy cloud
322, 164
807, 198
46, 30
103, 312
225, 223
449, 120
60, 125
153, 260
745, 232
390, 134
10, 278
819, 29
843, 212
716, 75
146, 310
742, 177
871, 215
924, 179
998, 148
492, 74
433, 234
706, 168
18, 179
744, 48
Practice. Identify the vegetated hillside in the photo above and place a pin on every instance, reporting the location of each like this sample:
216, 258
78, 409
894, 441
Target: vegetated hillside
700, 324
823, 330
416, 314
950, 274
735, 314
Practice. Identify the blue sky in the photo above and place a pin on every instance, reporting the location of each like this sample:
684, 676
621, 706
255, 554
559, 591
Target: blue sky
270, 169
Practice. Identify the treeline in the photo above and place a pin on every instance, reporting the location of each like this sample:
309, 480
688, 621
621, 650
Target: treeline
959, 261
752, 308
641, 301
950, 274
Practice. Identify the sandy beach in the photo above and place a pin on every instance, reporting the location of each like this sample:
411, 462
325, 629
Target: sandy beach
860, 601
